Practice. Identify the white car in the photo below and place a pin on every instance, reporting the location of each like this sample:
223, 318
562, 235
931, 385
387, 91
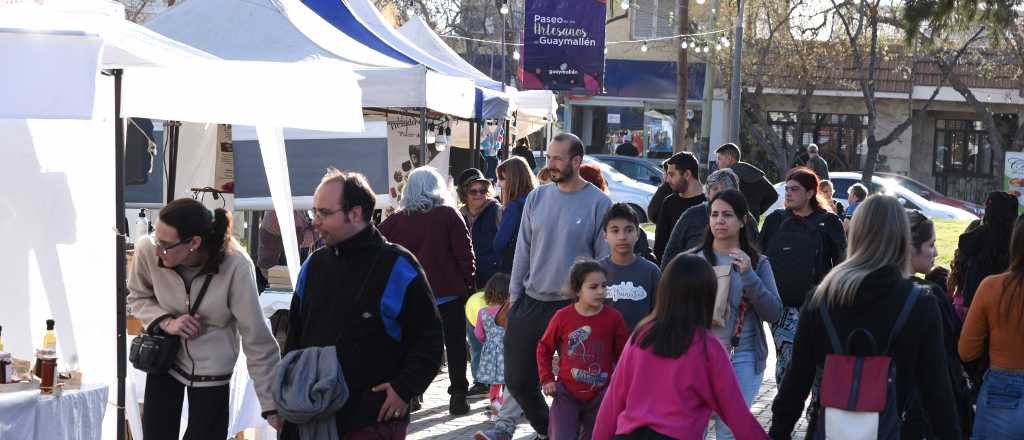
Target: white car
842, 181
622, 189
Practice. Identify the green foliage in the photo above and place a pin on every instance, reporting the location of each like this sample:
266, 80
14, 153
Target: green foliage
943, 15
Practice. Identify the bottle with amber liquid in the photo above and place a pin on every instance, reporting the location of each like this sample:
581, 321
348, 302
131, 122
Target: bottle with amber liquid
6, 367
46, 360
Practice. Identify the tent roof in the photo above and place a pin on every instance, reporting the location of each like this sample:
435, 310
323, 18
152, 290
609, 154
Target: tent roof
287, 30
361, 20
53, 49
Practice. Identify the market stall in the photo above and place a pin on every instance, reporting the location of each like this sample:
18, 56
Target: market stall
73, 69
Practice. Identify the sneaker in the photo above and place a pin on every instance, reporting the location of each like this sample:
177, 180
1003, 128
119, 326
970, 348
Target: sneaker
457, 405
478, 390
491, 435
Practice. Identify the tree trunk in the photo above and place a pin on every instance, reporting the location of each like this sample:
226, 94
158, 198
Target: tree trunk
682, 80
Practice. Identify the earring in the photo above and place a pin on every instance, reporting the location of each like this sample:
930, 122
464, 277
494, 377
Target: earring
192, 250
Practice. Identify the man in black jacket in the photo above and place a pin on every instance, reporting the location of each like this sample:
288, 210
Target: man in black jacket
370, 299
754, 185
689, 230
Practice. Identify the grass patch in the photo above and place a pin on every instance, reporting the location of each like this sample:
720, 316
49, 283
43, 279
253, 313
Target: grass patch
947, 233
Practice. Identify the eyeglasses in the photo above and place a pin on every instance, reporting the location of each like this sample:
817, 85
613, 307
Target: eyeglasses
322, 213
164, 248
476, 192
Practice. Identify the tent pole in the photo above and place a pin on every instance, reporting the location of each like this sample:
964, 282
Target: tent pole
119, 249
173, 128
424, 159
472, 143
476, 147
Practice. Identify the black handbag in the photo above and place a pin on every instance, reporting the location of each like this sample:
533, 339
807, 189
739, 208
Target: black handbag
154, 352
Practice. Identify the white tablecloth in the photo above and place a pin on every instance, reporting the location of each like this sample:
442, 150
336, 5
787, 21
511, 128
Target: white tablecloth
76, 415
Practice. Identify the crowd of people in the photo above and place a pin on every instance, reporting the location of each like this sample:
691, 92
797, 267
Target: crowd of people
535, 290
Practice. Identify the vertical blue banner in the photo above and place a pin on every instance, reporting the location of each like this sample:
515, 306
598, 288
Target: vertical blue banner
563, 45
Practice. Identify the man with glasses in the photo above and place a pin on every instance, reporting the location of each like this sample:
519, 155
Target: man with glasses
370, 300
561, 223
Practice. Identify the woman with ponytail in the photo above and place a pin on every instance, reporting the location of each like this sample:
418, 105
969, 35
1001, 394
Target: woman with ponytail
191, 254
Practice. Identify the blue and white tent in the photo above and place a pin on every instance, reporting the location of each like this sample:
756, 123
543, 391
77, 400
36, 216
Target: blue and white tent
288, 30
360, 20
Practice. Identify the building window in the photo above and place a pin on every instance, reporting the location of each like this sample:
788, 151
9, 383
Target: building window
962, 147
839, 137
653, 18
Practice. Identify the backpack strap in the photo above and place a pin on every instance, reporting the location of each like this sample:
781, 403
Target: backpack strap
837, 347
901, 319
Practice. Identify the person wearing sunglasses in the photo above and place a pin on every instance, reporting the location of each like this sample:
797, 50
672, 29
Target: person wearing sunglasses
191, 254
482, 213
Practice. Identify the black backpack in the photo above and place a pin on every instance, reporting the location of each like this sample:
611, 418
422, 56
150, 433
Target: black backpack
795, 252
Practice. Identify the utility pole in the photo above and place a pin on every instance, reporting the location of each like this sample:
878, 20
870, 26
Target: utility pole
682, 77
710, 78
737, 58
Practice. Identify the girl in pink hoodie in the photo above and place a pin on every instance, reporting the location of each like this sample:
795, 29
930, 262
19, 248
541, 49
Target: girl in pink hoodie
695, 377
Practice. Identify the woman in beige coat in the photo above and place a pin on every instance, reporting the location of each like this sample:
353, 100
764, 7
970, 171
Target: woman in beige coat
189, 245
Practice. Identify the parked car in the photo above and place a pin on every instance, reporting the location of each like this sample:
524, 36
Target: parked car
842, 181
637, 168
621, 188
934, 196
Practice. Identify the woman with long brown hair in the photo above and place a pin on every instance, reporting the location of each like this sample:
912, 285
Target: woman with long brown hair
516, 181
996, 320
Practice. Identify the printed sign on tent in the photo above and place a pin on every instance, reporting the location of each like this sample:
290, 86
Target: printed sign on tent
563, 45
404, 153
1014, 175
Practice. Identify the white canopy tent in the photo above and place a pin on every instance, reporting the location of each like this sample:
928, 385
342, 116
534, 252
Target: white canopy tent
287, 30
62, 98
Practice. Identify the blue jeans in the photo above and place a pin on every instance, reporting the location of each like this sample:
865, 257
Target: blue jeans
474, 350
744, 363
1000, 407
491, 168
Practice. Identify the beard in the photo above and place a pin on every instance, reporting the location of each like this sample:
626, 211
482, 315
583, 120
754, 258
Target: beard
562, 175
681, 187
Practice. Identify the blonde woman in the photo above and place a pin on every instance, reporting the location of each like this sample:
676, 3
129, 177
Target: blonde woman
516, 181
867, 291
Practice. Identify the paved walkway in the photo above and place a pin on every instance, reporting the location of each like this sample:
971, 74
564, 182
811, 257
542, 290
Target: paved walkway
433, 422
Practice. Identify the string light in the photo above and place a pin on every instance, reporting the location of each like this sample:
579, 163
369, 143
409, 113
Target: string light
504, 9
624, 5
515, 54
643, 48
726, 42
718, 46
700, 2
685, 44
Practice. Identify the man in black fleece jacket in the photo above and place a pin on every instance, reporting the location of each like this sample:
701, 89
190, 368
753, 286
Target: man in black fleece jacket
917, 352
754, 185
371, 300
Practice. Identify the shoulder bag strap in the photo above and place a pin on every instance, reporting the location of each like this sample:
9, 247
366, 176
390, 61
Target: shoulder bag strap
915, 292
831, 329
202, 293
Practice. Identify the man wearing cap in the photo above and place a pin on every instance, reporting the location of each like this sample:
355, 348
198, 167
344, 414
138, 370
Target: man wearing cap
816, 163
681, 176
561, 223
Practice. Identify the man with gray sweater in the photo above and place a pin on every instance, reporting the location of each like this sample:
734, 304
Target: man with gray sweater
561, 222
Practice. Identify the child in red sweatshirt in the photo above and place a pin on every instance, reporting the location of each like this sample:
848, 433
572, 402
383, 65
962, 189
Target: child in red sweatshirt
692, 375
588, 338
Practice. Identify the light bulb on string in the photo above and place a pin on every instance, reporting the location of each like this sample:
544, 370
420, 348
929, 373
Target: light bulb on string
504, 9
685, 44
718, 46
643, 47
606, 50
700, 2
726, 42
515, 54
624, 5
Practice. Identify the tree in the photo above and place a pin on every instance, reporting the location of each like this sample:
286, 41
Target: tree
1003, 49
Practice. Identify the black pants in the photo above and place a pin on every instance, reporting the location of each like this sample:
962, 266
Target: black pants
161, 412
527, 320
453, 319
